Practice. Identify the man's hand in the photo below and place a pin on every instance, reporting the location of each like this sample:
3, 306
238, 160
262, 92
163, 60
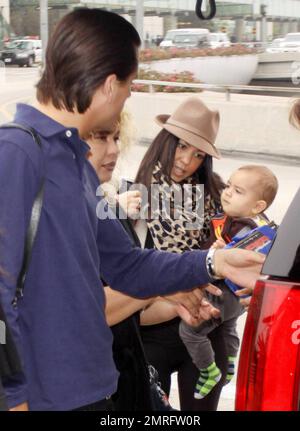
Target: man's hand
20, 408
242, 267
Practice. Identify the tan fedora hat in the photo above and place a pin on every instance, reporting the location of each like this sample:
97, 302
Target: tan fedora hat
195, 124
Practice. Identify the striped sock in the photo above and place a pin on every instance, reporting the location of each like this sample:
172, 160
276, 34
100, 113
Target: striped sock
231, 369
207, 380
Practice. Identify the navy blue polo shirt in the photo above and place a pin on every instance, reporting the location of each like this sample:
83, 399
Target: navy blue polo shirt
59, 325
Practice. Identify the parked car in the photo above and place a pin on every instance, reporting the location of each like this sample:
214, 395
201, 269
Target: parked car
185, 37
191, 40
218, 40
275, 45
291, 43
22, 52
269, 368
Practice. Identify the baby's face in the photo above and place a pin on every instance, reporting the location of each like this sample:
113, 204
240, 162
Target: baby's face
241, 195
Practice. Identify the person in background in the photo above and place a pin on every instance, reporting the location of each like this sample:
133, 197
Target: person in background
181, 155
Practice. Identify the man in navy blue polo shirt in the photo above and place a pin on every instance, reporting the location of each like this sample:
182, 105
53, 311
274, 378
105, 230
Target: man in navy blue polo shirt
59, 325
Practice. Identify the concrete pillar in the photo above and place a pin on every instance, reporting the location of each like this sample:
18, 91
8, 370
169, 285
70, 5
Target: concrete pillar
285, 28
4, 9
270, 32
170, 23
258, 31
293, 27
239, 29
264, 30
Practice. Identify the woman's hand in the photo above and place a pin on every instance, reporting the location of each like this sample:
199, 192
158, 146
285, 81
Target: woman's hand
20, 408
245, 302
195, 303
130, 202
219, 243
206, 312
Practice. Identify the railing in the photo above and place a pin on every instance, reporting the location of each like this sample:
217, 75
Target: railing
227, 89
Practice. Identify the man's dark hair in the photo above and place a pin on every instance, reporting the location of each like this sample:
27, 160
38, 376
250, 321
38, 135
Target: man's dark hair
86, 47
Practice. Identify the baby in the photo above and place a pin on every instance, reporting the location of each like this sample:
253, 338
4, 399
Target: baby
249, 192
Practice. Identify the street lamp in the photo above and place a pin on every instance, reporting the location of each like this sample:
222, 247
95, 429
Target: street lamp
263, 13
44, 26
263, 10
139, 22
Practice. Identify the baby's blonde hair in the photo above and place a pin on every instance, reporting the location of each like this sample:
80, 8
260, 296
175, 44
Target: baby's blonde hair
295, 114
268, 183
127, 140
127, 132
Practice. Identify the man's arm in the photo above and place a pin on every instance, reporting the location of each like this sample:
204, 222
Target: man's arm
144, 273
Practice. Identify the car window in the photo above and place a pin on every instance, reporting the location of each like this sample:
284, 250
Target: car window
10, 45
185, 38
292, 38
170, 35
20, 44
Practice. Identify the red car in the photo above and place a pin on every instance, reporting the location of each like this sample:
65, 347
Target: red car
269, 368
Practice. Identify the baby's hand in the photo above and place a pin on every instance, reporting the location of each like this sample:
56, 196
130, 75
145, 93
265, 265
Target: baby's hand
130, 202
219, 243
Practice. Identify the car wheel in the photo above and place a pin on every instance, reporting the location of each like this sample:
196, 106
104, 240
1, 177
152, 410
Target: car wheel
30, 62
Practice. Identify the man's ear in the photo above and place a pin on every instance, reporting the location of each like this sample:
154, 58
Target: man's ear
259, 207
109, 86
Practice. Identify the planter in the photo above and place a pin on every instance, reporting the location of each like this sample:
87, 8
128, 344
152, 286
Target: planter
226, 70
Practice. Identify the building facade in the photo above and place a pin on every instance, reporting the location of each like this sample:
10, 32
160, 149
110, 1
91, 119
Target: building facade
241, 19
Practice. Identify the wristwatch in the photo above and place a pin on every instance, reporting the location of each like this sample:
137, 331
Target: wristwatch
210, 264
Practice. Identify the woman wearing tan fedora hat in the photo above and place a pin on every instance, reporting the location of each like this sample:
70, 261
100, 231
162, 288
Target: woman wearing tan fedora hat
179, 157
181, 154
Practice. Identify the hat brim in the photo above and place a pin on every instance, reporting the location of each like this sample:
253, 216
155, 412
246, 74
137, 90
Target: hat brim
187, 136
162, 119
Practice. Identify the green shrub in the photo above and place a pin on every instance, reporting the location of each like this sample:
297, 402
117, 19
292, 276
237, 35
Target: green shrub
148, 55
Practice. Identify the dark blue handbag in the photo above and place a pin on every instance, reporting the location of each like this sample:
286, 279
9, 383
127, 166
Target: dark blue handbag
159, 398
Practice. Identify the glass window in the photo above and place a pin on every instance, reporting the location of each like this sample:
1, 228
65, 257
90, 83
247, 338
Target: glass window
292, 37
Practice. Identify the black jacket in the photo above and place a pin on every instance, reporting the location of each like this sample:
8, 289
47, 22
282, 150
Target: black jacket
133, 393
9, 359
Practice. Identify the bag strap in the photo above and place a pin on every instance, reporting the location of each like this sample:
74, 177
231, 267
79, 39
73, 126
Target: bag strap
34, 218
